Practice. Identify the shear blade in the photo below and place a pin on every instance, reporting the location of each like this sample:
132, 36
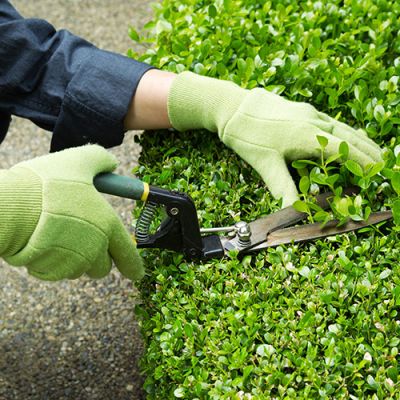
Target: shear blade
261, 228
308, 232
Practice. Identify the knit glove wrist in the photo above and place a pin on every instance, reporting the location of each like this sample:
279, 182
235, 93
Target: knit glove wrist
265, 129
54, 222
198, 102
20, 208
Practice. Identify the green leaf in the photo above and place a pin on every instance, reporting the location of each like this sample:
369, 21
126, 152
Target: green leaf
385, 274
133, 34
396, 212
300, 164
304, 271
300, 206
363, 183
199, 69
372, 382
354, 168
358, 92
228, 4
332, 158
374, 169
332, 179
212, 11
265, 350
395, 180
277, 89
396, 295
318, 178
342, 205
344, 150
304, 184
323, 141
163, 26
247, 371
242, 66
321, 216
305, 92
379, 112
188, 330
179, 392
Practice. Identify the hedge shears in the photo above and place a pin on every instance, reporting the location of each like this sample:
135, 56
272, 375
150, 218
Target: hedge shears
180, 230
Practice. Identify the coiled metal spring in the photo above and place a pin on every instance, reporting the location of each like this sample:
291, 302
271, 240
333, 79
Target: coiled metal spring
142, 231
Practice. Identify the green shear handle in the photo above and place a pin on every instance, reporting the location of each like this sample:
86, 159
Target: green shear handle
122, 186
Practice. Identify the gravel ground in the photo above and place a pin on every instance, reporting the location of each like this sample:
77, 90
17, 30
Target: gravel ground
74, 339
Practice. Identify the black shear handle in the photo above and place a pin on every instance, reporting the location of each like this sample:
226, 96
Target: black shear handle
180, 231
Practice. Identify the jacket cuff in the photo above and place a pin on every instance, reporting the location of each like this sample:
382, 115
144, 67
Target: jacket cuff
5, 120
96, 101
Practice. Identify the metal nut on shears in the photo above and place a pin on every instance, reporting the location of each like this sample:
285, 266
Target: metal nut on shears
243, 232
174, 211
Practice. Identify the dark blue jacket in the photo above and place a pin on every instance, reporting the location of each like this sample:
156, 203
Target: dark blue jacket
63, 83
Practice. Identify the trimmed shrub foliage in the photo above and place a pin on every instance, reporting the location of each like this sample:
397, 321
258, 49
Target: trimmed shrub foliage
316, 320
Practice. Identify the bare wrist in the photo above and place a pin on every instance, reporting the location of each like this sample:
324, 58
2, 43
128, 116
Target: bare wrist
148, 107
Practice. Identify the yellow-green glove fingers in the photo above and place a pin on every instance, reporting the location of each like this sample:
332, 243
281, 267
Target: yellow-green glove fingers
355, 153
357, 137
123, 252
101, 266
88, 161
44, 266
63, 248
367, 146
273, 170
272, 166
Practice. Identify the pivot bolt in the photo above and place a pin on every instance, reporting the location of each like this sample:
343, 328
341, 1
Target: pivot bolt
243, 231
193, 253
174, 211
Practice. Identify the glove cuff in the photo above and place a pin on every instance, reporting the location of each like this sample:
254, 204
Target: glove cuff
20, 209
196, 102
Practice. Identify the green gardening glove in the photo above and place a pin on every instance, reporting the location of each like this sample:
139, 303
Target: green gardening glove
265, 129
54, 222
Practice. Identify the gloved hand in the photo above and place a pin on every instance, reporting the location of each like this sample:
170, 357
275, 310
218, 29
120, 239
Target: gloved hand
54, 222
265, 129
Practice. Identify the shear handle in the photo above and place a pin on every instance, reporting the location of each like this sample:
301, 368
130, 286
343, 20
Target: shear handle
122, 186
180, 231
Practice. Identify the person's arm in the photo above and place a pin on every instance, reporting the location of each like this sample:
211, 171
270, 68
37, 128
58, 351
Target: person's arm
63, 83
148, 108
266, 130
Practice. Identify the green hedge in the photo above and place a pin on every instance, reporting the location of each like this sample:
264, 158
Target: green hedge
317, 320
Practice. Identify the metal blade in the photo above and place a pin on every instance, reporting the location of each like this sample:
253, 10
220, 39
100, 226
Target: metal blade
281, 219
314, 231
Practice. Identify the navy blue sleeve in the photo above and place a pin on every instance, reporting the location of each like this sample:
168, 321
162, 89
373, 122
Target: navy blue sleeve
63, 83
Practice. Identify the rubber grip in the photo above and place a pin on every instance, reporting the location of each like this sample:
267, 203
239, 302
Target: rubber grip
122, 186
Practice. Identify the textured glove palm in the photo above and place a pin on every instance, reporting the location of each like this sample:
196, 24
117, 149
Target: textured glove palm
265, 129
56, 224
